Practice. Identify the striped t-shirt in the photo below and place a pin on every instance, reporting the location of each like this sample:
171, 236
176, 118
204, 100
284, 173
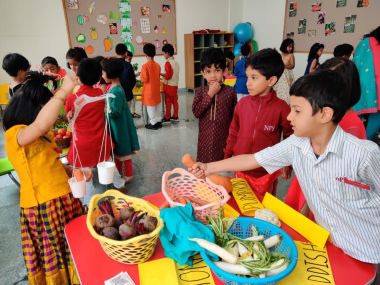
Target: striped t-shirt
341, 187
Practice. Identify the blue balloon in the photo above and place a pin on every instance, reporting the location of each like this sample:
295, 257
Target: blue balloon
243, 32
237, 49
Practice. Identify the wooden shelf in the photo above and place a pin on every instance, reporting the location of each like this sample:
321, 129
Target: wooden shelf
195, 45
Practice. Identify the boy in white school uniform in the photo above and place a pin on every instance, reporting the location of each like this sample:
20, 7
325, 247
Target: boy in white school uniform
339, 173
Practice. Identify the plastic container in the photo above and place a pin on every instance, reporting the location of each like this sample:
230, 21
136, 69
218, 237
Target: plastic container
242, 228
132, 251
180, 183
105, 172
78, 188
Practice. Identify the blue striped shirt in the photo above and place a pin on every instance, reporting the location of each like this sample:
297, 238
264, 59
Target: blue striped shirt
341, 187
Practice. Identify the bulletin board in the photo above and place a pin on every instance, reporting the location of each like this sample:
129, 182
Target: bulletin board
330, 22
99, 25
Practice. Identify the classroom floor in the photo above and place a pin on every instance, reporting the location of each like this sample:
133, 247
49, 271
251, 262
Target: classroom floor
161, 150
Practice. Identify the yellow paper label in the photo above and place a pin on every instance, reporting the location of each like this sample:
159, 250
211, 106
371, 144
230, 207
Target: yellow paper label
245, 198
198, 274
313, 267
159, 271
230, 212
298, 222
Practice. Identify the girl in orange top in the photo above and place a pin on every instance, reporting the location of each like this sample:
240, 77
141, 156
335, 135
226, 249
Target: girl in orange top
151, 98
44, 199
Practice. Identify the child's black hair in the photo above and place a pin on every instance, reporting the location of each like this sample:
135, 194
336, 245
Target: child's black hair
323, 88
245, 49
76, 53
99, 59
121, 49
168, 48
13, 62
313, 51
149, 49
284, 45
343, 50
229, 54
213, 56
113, 67
268, 62
49, 60
89, 71
27, 102
347, 69
129, 53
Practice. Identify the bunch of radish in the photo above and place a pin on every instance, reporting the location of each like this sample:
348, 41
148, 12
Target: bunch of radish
249, 257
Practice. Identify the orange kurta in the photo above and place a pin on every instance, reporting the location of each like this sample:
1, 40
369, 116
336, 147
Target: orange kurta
150, 77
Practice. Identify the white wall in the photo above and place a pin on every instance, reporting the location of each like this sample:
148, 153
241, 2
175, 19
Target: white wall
267, 19
37, 28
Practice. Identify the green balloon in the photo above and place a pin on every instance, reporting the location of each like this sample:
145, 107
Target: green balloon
255, 47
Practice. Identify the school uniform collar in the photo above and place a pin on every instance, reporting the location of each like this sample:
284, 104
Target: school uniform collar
335, 145
84, 88
265, 98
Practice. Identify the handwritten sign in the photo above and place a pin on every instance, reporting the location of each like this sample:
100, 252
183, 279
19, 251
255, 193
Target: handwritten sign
246, 200
198, 274
230, 212
313, 266
298, 222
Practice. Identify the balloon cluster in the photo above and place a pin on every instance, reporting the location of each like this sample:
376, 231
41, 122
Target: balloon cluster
244, 34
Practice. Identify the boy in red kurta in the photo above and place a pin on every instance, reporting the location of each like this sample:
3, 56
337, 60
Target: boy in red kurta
260, 119
214, 106
151, 98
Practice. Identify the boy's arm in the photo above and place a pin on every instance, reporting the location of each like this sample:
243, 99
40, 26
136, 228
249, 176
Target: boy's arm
168, 71
116, 105
144, 75
370, 169
232, 134
201, 103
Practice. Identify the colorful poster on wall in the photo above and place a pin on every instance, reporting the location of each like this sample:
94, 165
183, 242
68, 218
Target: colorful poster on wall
349, 24
302, 26
363, 3
321, 18
145, 25
316, 7
341, 3
72, 4
292, 9
330, 28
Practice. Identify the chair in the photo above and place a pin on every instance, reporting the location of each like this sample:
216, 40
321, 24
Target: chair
4, 97
6, 168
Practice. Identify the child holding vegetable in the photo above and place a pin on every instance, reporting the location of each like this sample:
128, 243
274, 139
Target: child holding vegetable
46, 202
214, 106
123, 130
259, 119
338, 172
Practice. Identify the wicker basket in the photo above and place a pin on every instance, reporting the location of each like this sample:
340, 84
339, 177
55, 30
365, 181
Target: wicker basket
131, 251
180, 183
63, 143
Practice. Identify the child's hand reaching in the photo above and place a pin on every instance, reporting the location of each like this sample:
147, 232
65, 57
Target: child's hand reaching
213, 88
199, 170
69, 83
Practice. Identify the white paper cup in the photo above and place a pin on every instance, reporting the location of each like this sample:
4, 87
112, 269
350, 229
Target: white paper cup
105, 172
78, 188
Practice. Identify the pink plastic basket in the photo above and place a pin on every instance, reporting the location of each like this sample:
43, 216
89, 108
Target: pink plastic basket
180, 183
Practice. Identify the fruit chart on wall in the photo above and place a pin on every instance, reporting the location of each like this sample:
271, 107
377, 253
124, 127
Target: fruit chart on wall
98, 26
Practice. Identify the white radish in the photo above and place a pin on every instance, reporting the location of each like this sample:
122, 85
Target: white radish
272, 241
232, 268
256, 238
233, 249
276, 267
256, 248
216, 249
262, 275
243, 251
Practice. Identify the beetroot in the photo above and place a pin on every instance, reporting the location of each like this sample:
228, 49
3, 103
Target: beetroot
111, 232
104, 221
126, 212
127, 231
149, 223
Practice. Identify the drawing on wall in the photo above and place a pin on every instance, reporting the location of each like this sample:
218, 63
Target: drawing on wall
363, 3
349, 24
145, 11
290, 35
72, 4
330, 28
311, 33
341, 3
113, 28
102, 19
316, 7
292, 9
321, 18
302, 26
145, 25
165, 8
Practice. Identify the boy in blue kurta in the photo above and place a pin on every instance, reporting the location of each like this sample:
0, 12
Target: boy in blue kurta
123, 129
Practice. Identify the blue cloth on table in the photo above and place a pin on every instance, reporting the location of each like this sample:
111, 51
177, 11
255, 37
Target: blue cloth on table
180, 225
